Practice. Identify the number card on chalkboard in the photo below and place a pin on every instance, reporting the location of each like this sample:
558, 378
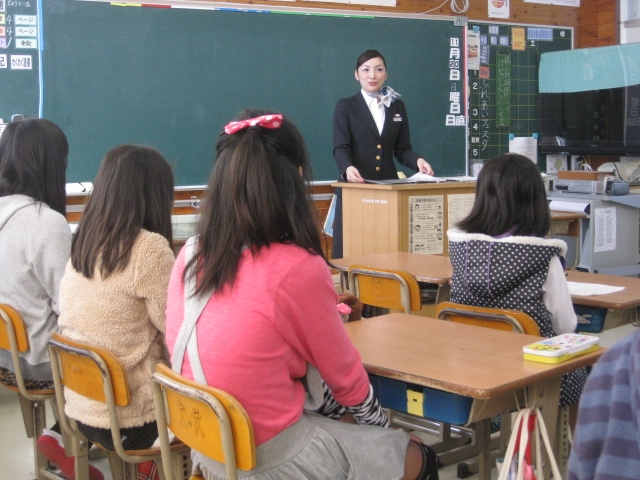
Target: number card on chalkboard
504, 90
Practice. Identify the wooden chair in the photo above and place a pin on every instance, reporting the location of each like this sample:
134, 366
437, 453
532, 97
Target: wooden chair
96, 373
206, 419
393, 289
496, 318
14, 338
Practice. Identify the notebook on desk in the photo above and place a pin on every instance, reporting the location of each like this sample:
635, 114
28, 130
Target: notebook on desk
421, 178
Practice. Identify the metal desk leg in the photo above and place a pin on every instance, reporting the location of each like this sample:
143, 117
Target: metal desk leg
344, 281
483, 438
443, 293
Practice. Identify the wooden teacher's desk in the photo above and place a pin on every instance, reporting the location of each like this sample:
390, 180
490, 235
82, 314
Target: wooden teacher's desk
414, 217
402, 217
481, 363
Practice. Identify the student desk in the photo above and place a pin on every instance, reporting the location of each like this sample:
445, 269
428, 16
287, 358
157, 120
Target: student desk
568, 224
629, 298
436, 269
480, 363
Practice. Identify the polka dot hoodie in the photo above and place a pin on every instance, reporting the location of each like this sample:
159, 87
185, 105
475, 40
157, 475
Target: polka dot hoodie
508, 273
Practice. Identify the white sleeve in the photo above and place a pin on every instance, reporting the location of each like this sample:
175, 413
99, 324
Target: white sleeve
556, 297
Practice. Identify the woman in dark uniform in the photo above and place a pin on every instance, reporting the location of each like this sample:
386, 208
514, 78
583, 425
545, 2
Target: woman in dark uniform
368, 130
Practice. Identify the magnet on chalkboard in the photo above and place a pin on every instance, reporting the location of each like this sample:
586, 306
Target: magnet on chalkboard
18, 117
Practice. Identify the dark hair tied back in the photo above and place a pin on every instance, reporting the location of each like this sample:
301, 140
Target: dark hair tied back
368, 55
256, 196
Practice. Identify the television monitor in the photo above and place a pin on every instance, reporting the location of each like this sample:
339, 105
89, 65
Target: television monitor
592, 122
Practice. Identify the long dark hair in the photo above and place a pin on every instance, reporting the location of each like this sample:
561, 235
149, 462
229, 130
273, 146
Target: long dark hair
33, 162
133, 190
255, 196
510, 197
368, 55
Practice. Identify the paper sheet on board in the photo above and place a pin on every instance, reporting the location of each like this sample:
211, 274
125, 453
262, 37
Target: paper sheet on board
527, 146
563, 206
604, 220
586, 289
79, 187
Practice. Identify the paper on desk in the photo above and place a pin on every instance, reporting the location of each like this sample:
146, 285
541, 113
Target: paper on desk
564, 206
586, 289
423, 177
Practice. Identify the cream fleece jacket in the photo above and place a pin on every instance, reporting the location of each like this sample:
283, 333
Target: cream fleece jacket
123, 313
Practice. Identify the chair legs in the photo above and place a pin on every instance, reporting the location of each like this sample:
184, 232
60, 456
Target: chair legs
119, 470
182, 466
35, 419
122, 470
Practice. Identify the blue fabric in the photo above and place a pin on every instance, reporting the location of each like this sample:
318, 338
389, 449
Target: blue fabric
607, 438
590, 69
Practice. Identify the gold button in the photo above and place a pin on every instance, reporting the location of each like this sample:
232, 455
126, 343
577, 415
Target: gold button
377, 168
379, 147
377, 157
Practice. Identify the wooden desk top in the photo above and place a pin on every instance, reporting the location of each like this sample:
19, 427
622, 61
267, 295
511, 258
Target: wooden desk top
464, 359
437, 269
558, 216
627, 298
408, 186
426, 268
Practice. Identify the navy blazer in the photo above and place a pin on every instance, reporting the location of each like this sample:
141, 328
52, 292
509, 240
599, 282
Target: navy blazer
356, 140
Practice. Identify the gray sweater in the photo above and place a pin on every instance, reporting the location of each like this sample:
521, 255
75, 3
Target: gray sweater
35, 243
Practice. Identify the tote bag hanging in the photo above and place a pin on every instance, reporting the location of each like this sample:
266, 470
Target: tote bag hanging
518, 465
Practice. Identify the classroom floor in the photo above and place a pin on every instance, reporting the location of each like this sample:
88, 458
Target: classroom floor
16, 461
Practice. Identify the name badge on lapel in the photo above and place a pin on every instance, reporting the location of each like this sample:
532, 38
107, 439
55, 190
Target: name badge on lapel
397, 118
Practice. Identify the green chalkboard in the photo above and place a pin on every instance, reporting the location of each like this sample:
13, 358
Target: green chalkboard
19, 59
171, 78
504, 90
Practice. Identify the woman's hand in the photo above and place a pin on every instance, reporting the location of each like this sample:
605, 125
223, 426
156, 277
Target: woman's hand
353, 175
423, 167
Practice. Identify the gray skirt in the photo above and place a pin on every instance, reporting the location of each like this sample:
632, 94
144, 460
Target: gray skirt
319, 448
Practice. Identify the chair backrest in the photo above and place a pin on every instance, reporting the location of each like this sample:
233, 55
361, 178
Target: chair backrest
206, 419
14, 338
395, 289
13, 333
90, 371
496, 318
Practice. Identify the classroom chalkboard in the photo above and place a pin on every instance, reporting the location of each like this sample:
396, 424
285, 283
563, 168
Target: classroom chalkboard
171, 78
503, 101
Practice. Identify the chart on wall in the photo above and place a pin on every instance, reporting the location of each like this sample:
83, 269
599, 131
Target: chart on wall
503, 86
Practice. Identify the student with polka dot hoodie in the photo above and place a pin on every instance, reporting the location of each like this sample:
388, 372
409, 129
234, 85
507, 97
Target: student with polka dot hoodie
501, 259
